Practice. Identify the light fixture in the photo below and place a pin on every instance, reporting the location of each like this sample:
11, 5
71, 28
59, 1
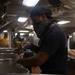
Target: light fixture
31, 34
63, 22
70, 36
23, 31
73, 33
5, 31
15, 34
20, 34
22, 19
31, 26
30, 3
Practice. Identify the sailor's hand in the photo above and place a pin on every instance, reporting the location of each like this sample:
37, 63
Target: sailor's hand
17, 56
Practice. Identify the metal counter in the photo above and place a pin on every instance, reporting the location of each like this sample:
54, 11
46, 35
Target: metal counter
7, 64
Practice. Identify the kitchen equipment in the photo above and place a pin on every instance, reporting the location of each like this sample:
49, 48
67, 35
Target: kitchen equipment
7, 63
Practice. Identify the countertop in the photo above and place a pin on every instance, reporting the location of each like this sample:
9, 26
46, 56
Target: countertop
7, 64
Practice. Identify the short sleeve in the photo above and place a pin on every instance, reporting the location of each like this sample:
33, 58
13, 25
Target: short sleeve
51, 44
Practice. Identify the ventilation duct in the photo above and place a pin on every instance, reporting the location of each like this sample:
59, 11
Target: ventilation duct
70, 3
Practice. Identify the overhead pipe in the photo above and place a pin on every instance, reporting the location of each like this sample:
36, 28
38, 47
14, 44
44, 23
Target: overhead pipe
7, 3
3, 16
5, 26
70, 3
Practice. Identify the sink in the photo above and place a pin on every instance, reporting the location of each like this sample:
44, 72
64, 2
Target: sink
7, 63
13, 69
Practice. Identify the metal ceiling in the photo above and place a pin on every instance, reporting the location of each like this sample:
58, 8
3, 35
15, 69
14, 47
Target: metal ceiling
12, 9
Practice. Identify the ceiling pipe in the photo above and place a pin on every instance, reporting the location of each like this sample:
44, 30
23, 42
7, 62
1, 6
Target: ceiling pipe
7, 3
5, 26
70, 3
2, 17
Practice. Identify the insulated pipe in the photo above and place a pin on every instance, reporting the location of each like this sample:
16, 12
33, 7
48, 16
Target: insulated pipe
2, 17
6, 25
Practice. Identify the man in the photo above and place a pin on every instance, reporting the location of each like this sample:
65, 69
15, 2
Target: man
4, 40
17, 38
51, 54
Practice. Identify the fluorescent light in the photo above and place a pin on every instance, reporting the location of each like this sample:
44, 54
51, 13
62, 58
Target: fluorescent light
70, 36
31, 26
23, 31
73, 33
22, 19
5, 31
20, 34
15, 34
31, 34
63, 22
30, 3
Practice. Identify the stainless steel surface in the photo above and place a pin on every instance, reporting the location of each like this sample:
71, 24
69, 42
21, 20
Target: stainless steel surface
13, 69
6, 50
7, 64
2, 48
6, 55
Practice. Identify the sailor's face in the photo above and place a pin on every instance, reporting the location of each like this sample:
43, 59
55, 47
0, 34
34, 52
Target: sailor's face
37, 19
